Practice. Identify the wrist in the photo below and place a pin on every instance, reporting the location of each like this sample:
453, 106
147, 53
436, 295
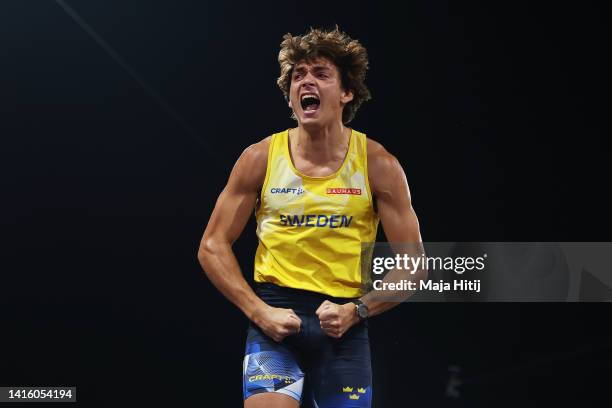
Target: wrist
257, 312
361, 310
351, 310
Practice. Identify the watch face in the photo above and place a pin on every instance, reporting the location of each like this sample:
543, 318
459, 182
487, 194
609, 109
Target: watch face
362, 311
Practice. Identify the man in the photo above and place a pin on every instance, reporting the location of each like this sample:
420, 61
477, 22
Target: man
319, 191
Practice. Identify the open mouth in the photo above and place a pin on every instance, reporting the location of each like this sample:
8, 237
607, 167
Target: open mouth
310, 103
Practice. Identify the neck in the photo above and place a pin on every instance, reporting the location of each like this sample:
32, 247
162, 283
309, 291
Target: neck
320, 144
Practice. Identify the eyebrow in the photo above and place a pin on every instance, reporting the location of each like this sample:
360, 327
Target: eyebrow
314, 67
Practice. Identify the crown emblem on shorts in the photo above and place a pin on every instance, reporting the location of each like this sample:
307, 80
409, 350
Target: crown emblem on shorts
347, 389
354, 396
361, 390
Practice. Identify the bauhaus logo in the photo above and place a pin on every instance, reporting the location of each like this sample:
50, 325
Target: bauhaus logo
343, 190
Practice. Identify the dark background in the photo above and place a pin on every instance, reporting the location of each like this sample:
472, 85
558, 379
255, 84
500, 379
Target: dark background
116, 143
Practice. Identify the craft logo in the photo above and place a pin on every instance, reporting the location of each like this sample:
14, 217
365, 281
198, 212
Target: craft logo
287, 190
268, 377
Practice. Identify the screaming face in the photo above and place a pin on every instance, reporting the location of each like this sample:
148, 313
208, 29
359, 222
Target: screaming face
317, 85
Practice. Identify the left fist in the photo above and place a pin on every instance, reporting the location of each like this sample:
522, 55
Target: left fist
336, 319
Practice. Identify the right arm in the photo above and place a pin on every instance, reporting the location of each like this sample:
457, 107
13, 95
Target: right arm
229, 217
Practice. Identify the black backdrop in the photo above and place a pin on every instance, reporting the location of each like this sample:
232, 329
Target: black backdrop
120, 121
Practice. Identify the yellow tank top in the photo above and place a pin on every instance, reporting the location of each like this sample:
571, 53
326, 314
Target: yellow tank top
310, 229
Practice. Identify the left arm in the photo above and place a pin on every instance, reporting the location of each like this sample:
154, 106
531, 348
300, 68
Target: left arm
390, 190
392, 194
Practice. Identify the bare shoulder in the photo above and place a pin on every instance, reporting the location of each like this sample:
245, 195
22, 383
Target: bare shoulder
383, 168
249, 171
257, 153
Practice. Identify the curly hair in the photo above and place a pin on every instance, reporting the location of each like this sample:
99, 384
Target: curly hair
348, 55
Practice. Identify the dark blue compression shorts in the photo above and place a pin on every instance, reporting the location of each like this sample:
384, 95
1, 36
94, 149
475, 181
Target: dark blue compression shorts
334, 373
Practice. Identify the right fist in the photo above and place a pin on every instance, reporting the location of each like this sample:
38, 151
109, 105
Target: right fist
278, 323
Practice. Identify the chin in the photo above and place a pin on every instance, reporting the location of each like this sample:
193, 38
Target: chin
313, 125
312, 122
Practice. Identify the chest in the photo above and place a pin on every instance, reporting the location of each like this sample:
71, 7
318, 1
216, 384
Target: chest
344, 194
311, 169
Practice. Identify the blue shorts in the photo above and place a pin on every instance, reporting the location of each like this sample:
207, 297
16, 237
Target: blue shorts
332, 372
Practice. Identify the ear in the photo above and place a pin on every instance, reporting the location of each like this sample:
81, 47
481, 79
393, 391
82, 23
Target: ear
289, 103
346, 96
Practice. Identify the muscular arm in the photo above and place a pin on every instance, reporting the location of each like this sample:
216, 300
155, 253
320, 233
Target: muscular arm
394, 205
233, 208
232, 211
390, 190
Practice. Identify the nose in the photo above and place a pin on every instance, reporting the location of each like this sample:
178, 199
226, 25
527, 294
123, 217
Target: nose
308, 78
307, 85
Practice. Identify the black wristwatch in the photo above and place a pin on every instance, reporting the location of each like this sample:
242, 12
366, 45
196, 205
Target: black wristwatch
361, 310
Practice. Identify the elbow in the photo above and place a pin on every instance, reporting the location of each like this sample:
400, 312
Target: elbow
201, 257
424, 274
205, 252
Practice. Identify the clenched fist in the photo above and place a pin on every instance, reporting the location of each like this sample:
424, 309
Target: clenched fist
278, 323
336, 319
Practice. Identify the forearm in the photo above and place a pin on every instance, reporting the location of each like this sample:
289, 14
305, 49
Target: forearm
221, 266
381, 301
376, 307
